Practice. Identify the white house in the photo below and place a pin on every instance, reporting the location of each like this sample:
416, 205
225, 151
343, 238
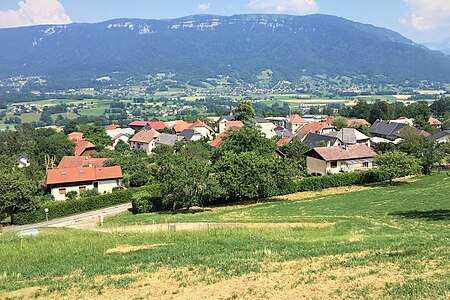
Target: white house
63, 181
332, 160
145, 139
266, 127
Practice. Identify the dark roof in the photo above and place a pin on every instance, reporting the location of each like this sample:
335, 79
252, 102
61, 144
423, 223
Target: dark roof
314, 139
261, 120
386, 127
228, 118
280, 131
439, 135
168, 139
340, 153
188, 133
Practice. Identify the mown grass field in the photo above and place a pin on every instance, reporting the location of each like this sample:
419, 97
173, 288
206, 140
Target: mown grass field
372, 242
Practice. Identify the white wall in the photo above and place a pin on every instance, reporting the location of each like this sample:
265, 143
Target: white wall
104, 186
115, 132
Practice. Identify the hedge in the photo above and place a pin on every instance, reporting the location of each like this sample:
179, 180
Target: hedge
341, 179
73, 207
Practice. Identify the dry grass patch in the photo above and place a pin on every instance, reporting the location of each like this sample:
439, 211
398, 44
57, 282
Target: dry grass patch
127, 248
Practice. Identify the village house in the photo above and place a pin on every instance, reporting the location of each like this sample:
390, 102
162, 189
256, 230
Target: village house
351, 136
157, 125
441, 137
222, 123
319, 140
357, 122
202, 128
79, 179
319, 127
266, 127
80, 161
332, 160
294, 123
392, 131
145, 139
168, 139
23, 161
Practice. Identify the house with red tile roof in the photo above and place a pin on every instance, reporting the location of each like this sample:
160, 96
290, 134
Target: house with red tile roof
180, 125
202, 128
157, 125
357, 122
284, 141
332, 160
218, 140
434, 122
64, 180
320, 127
145, 139
294, 123
83, 148
234, 125
80, 161
75, 136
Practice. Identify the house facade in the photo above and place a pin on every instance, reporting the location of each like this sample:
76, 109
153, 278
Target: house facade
145, 139
333, 160
65, 180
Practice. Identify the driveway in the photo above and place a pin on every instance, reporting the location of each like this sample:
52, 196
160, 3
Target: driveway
66, 221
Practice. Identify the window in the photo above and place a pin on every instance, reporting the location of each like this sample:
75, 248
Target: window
82, 188
62, 191
366, 164
334, 164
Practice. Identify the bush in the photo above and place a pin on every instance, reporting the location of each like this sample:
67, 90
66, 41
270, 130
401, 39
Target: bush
67, 208
138, 179
342, 179
145, 202
72, 195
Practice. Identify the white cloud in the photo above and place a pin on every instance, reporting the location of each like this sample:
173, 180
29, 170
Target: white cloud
204, 7
285, 6
427, 14
34, 12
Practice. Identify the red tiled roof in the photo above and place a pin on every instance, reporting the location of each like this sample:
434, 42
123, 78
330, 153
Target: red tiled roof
340, 153
112, 127
316, 127
75, 136
233, 125
218, 140
181, 125
158, 125
81, 146
80, 161
433, 121
353, 122
73, 175
296, 119
145, 136
284, 140
199, 124
139, 123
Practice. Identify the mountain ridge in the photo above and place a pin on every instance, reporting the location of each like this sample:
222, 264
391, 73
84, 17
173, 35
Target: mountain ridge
209, 45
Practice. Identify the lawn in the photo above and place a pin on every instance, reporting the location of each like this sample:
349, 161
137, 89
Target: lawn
369, 242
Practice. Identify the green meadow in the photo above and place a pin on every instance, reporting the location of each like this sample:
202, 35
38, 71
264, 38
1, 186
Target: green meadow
372, 242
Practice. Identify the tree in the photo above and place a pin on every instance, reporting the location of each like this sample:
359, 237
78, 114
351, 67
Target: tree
17, 193
251, 176
397, 164
71, 126
184, 175
245, 112
245, 140
96, 134
440, 107
339, 123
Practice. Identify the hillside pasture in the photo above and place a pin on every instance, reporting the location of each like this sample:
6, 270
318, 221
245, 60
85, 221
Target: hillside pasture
370, 242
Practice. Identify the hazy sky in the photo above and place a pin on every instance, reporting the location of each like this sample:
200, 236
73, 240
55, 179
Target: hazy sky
420, 20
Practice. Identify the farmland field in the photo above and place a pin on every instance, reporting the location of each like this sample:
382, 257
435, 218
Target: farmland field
370, 242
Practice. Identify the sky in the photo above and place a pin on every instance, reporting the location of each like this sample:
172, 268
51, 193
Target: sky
419, 20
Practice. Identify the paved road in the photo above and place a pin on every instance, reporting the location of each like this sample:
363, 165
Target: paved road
74, 219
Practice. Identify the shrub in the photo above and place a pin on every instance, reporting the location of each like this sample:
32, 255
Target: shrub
72, 195
145, 201
342, 179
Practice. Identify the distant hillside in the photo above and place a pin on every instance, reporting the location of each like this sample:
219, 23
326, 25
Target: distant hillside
203, 45
443, 46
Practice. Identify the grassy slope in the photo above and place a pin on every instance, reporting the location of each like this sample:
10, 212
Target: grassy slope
399, 235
